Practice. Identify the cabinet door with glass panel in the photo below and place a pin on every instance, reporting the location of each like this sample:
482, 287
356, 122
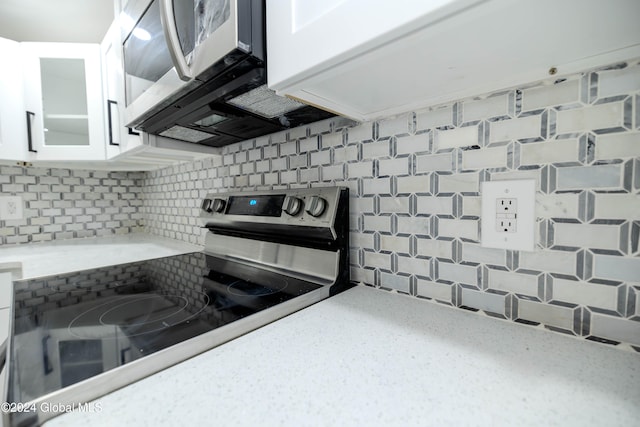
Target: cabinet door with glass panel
63, 99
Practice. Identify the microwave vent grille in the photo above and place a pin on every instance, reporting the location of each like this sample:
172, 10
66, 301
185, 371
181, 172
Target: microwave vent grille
186, 134
264, 102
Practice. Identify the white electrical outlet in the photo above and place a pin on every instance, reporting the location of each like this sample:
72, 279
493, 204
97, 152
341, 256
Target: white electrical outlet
10, 207
508, 214
506, 225
506, 206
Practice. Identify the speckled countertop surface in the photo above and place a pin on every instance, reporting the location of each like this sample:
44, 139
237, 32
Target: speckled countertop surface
364, 357
65, 256
368, 357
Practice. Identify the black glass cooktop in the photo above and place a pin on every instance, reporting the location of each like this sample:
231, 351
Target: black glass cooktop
71, 327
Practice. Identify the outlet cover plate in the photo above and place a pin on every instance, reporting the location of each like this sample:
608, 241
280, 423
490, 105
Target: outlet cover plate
10, 207
523, 238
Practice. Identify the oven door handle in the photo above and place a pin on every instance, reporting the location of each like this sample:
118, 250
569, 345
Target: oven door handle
168, 19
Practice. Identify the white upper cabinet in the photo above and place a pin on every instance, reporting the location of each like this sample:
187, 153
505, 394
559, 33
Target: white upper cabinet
368, 60
119, 138
63, 100
12, 111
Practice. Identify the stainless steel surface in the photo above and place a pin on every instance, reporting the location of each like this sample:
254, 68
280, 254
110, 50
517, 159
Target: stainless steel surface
208, 49
316, 206
130, 15
4, 377
168, 87
313, 265
292, 205
171, 86
207, 205
214, 41
3, 353
324, 221
6, 354
218, 205
168, 20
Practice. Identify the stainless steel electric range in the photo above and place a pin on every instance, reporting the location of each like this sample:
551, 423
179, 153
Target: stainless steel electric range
267, 254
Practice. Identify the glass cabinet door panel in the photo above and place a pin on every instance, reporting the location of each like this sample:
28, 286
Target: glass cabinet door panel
64, 101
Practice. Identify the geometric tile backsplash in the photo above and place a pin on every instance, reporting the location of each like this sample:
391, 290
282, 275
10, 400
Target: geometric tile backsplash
415, 201
415, 183
66, 204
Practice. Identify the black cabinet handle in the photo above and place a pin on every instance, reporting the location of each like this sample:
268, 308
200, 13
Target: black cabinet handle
45, 355
123, 355
109, 104
29, 136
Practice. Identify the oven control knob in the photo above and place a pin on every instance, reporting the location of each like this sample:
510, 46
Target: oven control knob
316, 206
206, 205
218, 205
292, 205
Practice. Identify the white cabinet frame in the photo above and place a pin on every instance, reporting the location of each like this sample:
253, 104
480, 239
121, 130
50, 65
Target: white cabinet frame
90, 53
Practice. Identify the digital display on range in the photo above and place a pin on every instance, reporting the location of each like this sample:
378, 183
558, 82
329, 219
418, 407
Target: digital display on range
256, 205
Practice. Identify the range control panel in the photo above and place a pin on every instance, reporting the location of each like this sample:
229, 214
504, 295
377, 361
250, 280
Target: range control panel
311, 207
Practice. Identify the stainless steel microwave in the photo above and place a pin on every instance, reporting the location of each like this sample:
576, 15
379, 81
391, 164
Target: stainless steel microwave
195, 70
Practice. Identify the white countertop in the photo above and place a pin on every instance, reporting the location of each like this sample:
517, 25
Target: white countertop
369, 357
65, 256
363, 357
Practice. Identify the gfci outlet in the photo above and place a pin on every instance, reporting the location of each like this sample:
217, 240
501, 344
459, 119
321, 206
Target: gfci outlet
508, 214
506, 219
10, 207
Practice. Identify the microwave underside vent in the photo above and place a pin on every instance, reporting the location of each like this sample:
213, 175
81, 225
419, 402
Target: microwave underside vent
185, 134
264, 102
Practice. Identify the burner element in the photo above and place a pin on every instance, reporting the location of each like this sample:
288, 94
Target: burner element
154, 309
135, 314
242, 288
